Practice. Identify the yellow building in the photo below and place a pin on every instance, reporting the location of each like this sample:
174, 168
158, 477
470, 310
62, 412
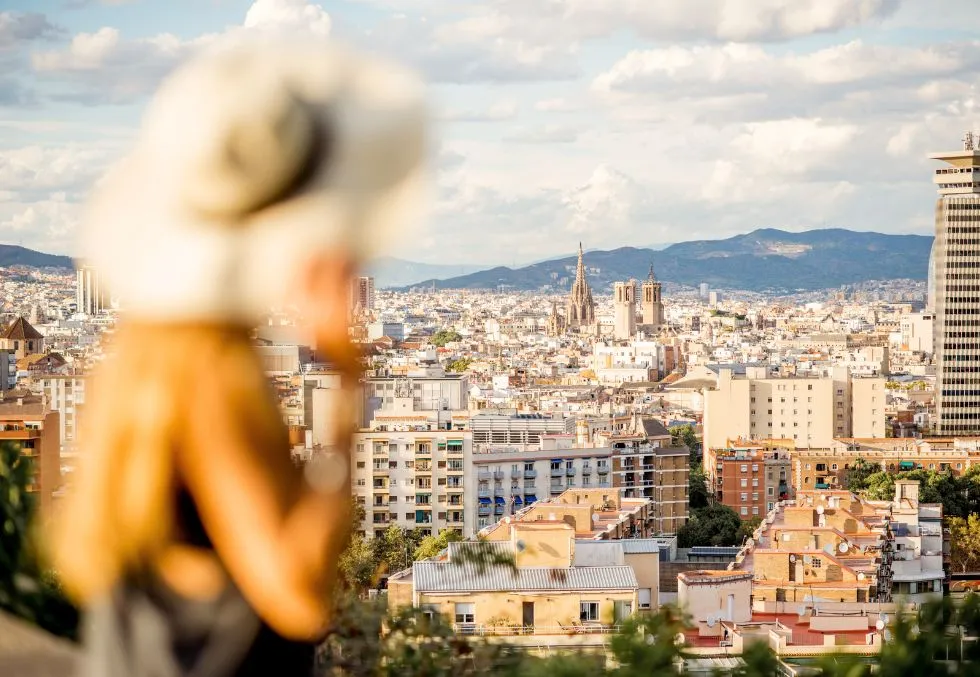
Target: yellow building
549, 593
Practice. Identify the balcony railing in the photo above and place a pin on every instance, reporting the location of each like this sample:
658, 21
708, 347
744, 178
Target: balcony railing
517, 630
603, 469
570, 472
515, 474
530, 474
498, 474
557, 472
483, 475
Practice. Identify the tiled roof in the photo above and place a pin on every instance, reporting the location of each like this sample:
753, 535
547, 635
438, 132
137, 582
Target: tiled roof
20, 329
635, 546
454, 577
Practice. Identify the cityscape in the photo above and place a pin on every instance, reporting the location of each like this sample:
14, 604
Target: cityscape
753, 449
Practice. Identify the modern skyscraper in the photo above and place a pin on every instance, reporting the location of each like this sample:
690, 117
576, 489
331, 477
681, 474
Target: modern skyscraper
652, 304
90, 294
625, 310
957, 291
580, 308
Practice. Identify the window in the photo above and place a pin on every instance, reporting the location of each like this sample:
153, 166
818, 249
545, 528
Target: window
744, 511
745, 483
755, 510
465, 612
745, 468
744, 496
588, 611
755, 481
769, 491
360, 465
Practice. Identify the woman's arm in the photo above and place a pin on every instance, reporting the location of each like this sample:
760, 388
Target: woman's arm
279, 539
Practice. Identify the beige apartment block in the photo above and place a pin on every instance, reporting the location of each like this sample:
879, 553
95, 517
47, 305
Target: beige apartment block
809, 410
827, 468
550, 593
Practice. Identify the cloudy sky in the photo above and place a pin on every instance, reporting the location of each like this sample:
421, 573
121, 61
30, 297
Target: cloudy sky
615, 122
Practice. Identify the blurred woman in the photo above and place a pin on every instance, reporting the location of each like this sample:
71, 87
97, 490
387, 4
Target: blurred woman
263, 176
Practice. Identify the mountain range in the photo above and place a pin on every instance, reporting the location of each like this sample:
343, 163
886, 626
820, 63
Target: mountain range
14, 255
765, 260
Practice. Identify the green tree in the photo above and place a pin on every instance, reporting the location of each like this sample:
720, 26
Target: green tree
459, 365
358, 568
392, 550
433, 545
964, 542
856, 478
746, 529
444, 336
714, 524
699, 496
685, 435
27, 588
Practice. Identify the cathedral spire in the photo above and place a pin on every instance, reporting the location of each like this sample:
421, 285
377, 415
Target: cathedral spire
653, 277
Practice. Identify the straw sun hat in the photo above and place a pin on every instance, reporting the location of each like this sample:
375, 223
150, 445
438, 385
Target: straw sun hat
249, 159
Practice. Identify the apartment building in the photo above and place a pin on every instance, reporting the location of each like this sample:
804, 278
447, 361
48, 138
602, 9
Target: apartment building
833, 546
412, 468
66, 395
749, 478
753, 403
550, 593
27, 421
507, 481
827, 468
429, 390
516, 431
645, 465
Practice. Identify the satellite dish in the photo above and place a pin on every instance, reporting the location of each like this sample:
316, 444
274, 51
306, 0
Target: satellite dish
520, 545
819, 509
888, 635
679, 639
880, 625
711, 621
842, 547
860, 575
792, 559
801, 610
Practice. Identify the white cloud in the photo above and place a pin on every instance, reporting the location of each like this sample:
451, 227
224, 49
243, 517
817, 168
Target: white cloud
501, 110
543, 134
290, 15
556, 105
104, 67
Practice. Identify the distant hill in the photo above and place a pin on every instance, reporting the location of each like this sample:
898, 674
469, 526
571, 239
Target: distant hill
392, 272
13, 255
765, 260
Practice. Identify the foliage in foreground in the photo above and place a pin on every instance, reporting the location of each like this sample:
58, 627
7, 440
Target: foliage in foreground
27, 589
368, 642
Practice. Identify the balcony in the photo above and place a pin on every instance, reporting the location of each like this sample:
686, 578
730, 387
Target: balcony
379, 505
498, 491
454, 449
484, 475
557, 472
530, 474
380, 470
498, 474
423, 467
455, 519
484, 510
423, 451
557, 489
498, 509
570, 472
484, 492
603, 469
515, 474
454, 469
12, 433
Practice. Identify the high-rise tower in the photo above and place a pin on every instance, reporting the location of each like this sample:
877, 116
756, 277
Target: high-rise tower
652, 304
956, 281
580, 308
624, 305
90, 294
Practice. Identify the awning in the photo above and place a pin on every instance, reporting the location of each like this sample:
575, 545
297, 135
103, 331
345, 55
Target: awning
557, 460
500, 500
517, 499
484, 501
530, 498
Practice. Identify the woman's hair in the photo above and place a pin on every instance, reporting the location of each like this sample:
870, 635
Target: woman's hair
141, 411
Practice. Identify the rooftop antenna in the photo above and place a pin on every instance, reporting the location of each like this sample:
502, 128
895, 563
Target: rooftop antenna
968, 141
